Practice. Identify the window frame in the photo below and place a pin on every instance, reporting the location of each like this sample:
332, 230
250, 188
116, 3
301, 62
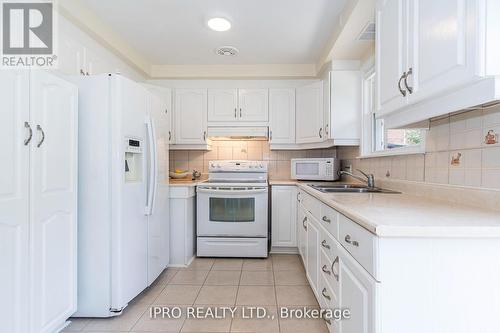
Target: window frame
369, 134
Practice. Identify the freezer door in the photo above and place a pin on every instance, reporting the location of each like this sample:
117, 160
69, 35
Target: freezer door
129, 223
158, 220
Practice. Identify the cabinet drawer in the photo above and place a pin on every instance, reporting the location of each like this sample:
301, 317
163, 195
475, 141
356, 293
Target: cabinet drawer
328, 300
330, 220
328, 244
359, 242
312, 204
329, 270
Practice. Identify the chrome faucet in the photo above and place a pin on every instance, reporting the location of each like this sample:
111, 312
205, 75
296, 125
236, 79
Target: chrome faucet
370, 180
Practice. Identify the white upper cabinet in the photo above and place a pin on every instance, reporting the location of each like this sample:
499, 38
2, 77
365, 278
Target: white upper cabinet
442, 44
435, 57
253, 105
190, 116
391, 48
282, 116
223, 105
309, 117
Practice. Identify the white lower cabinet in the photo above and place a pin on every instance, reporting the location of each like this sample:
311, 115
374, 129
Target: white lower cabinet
312, 251
38, 229
302, 233
283, 218
182, 225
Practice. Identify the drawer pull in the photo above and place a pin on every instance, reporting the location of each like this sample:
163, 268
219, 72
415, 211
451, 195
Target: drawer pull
323, 243
336, 276
352, 242
325, 270
326, 219
304, 223
328, 321
325, 295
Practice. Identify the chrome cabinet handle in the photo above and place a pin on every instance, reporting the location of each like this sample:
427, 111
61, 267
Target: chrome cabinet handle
169, 135
336, 276
326, 219
410, 89
325, 295
321, 133
328, 321
39, 128
298, 197
325, 270
304, 223
166, 111
270, 135
324, 244
205, 136
28, 139
352, 242
235, 112
326, 129
240, 112
403, 92
82, 72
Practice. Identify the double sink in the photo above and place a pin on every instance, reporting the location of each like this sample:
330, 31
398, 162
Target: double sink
349, 188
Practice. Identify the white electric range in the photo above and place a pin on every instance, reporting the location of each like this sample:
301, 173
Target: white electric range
232, 210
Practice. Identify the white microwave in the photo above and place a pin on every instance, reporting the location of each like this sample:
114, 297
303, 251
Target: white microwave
315, 168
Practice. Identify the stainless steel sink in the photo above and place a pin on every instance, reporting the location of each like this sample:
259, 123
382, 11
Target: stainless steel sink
349, 188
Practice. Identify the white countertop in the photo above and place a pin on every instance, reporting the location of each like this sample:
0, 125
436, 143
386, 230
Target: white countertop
403, 215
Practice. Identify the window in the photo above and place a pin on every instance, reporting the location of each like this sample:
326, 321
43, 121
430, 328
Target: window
378, 140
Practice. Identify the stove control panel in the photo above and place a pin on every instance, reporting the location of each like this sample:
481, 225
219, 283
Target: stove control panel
237, 166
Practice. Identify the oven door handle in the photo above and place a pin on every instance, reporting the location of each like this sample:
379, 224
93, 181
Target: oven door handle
230, 192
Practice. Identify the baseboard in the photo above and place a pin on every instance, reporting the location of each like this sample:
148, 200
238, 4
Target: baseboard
284, 250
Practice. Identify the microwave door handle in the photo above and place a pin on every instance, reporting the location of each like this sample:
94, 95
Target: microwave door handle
230, 192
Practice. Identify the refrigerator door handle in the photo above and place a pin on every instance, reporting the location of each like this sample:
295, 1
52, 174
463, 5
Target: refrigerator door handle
155, 164
151, 173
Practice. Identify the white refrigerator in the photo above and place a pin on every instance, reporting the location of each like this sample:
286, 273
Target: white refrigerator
123, 195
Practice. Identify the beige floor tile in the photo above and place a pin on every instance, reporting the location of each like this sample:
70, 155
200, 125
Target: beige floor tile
189, 277
178, 294
223, 278
124, 322
203, 264
77, 324
290, 278
303, 325
287, 263
207, 325
254, 324
228, 264
295, 295
257, 278
258, 264
256, 295
217, 295
160, 323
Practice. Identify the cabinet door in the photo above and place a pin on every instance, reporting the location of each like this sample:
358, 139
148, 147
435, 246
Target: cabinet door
302, 232
357, 292
282, 115
54, 112
158, 221
312, 251
166, 96
390, 58
14, 205
442, 44
223, 104
309, 126
253, 105
190, 116
284, 216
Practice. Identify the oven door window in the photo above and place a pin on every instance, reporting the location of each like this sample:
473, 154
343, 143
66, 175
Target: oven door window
232, 209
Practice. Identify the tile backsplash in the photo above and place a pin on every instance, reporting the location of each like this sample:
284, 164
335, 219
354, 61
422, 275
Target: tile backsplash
461, 149
278, 160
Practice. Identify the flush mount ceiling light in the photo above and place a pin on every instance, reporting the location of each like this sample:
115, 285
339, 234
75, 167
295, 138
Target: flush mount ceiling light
227, 51
219, 24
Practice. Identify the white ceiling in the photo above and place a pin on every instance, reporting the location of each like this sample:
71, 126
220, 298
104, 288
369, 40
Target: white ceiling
174, 32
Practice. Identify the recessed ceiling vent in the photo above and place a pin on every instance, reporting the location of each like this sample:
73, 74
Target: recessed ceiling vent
368, 32
227, 51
